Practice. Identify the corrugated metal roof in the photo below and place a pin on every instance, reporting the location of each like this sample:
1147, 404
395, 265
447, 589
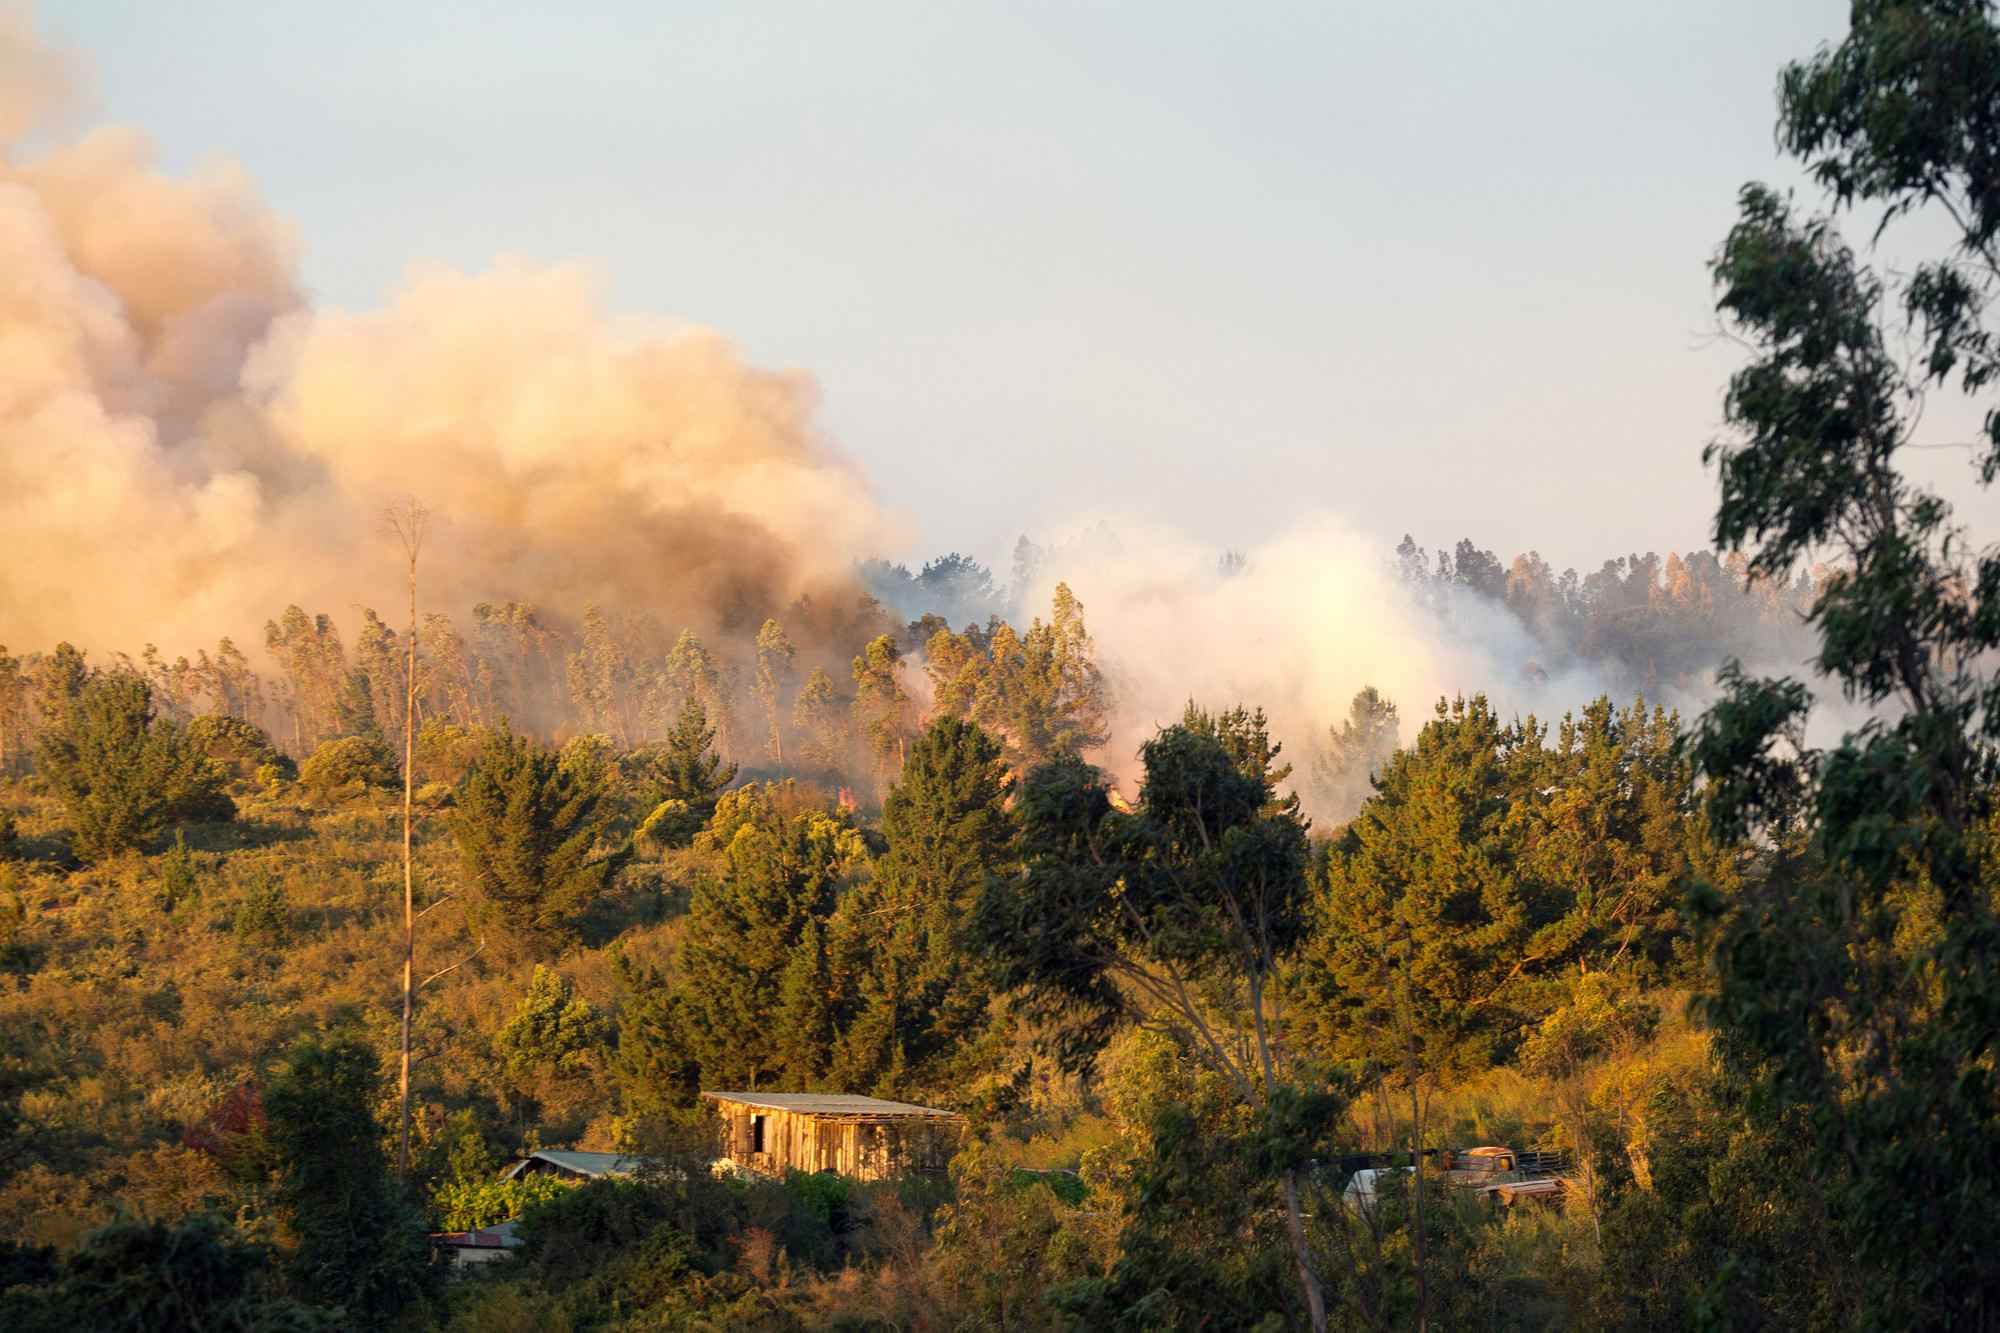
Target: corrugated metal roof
499, 1237
828, 1103
583, 1163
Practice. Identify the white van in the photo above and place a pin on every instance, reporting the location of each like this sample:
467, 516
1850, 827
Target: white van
1367, 1183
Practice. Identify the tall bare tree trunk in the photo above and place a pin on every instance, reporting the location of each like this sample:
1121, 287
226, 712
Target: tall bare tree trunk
1295, 1221
1295, 1230
1414, 1073
409, 522
1417, 1182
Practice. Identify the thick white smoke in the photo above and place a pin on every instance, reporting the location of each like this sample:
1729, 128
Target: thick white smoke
1303, 623
186, 446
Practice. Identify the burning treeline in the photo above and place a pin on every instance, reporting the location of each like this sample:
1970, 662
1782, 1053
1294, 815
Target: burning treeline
782, 700
833, 691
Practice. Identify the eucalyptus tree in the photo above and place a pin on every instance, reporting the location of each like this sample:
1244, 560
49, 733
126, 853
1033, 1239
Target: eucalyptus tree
1859, 969
775, 655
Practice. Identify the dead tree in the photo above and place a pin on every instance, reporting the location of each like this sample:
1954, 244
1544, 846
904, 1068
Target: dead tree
410, 522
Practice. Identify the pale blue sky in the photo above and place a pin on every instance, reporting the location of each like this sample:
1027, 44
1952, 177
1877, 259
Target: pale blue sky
1436, 268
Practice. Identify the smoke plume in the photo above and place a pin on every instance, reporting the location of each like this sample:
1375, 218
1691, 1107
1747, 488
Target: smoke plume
1295, 627
187, 445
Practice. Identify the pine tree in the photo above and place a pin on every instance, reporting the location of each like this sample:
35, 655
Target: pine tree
957, 586
957, 671
124, 774
1041, 692
781, 875
652, 1061
1028, 559
352, 709
924, 1001
527, 831
1081, 704
806, 1015
1355, 753
1185, 915
1438, 937
1245, 735
1620, 826
686, 768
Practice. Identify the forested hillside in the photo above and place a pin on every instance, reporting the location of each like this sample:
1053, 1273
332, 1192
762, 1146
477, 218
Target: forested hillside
1223, 1018
202, 927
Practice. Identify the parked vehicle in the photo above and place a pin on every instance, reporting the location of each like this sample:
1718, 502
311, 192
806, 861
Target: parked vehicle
1505, 1175
1367, 1184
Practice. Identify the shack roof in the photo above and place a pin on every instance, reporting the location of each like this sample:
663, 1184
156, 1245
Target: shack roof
499, 1237
831, 1104
591, 1164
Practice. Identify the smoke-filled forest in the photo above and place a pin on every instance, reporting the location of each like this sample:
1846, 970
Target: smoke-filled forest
440, 746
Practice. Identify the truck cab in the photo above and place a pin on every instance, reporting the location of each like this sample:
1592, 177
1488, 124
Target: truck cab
1482, 1166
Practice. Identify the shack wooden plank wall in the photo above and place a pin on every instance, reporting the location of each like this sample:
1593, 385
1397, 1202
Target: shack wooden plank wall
771, 1140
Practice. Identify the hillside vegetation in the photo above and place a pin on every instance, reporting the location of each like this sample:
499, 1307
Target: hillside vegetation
1743, 988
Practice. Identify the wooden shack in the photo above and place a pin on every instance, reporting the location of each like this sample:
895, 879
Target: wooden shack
865, 1138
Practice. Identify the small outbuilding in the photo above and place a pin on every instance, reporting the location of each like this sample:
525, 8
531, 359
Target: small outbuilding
573, 1165
478, 1247
865, 1138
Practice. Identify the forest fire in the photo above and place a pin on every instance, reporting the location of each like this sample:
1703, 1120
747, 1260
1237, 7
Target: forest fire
492, 837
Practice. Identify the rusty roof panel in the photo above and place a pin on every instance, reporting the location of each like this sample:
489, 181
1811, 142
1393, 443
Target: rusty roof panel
822, 1103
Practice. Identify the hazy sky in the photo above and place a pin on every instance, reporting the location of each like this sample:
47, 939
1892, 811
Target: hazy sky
1435, 268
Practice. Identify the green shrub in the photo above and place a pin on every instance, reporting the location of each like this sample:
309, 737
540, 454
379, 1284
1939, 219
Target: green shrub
264, 915
462, 1205
573, 1230
592, 759
177, 875
14, 953
554, 1032
445, 750
824, 1196
162, 1004
195, 1273
239, 746
672, 823
350, 765
1067, 1186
